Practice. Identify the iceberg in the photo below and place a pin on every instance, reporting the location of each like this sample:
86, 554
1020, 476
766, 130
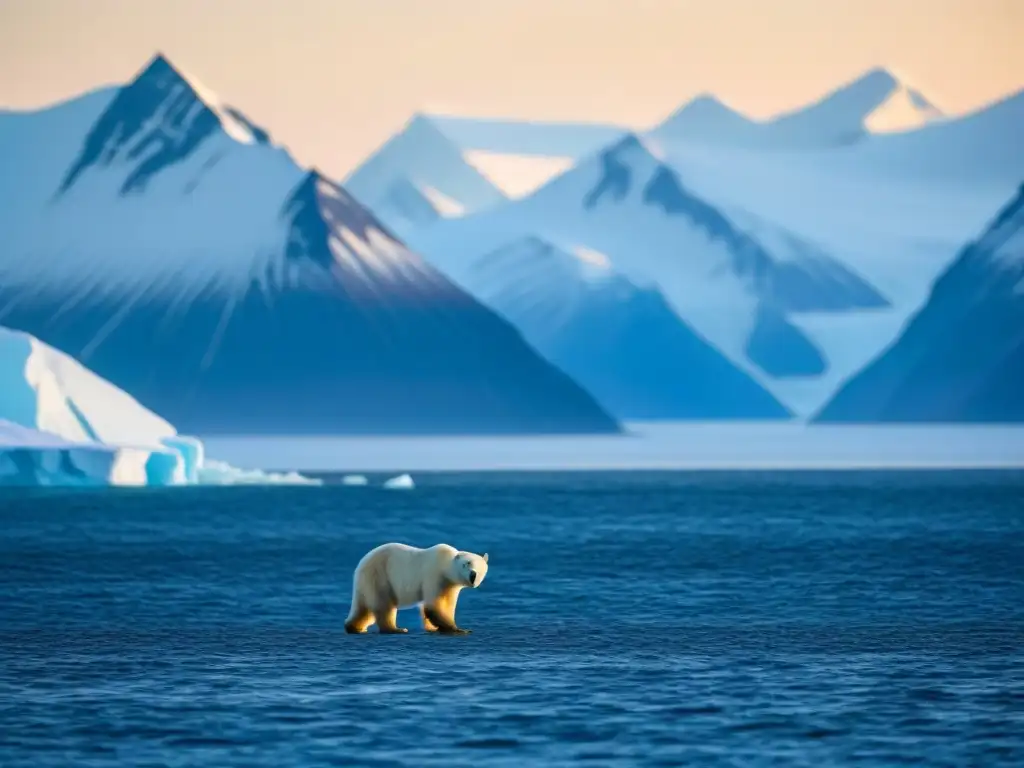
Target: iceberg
354, 480
62, 425
31, 457
401, 482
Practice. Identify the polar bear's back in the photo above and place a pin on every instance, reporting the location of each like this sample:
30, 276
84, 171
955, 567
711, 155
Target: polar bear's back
402, 570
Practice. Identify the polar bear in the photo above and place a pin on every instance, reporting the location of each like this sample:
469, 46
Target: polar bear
394, 576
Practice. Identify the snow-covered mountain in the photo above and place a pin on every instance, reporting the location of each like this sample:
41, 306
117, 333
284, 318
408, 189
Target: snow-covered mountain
726, 273
623, 343
961, 357
418, 175
706, 118
876, 102
162, 239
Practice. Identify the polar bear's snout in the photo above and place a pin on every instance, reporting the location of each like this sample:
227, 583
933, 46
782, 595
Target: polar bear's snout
472, 578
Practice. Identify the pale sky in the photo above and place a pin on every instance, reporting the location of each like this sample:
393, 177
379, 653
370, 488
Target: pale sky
333, 78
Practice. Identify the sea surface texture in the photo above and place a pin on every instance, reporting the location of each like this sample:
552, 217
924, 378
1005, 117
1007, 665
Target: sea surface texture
683, 619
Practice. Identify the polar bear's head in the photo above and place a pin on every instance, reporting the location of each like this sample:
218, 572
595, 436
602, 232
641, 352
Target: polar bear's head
468, 569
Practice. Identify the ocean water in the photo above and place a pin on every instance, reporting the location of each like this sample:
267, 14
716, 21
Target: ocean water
628, 619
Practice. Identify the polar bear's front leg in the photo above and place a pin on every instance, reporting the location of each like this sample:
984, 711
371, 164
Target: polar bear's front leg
440, 612
387, 621
428, 625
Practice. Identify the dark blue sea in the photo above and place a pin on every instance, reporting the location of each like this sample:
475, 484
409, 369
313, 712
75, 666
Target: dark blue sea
632, 619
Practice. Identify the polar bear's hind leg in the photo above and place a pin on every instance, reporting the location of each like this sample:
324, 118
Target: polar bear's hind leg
359, 618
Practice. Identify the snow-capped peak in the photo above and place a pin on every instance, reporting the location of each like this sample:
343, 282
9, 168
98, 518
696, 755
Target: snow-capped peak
161, 72
705, 117
332, 231
439, 170
626, 165
156, 120
900, 106
878, 101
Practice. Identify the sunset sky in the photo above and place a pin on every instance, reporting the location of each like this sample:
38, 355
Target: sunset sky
333, 78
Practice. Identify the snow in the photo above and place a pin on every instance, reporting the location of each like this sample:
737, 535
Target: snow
877, 101
214, 214
233, 127
61, 424
706, 119
424, 157
443, 204
205, 216
905, 108
629, 234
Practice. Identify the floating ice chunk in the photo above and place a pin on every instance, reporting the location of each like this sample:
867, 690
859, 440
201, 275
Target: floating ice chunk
354, 480
400, 482
214, 472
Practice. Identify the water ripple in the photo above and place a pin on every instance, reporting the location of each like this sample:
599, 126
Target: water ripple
626, 621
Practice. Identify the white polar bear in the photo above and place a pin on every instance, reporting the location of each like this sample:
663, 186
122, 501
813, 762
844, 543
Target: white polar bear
394, 576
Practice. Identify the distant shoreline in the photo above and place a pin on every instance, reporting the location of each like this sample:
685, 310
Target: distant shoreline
726, 446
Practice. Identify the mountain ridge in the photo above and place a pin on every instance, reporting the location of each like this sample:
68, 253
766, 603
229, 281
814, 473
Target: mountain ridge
234, 291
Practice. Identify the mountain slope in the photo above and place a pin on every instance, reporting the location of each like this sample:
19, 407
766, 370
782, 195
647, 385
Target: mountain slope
182, 256
961, 357
422, 158
621, 342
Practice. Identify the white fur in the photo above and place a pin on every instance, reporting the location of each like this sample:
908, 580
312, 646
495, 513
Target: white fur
394, 576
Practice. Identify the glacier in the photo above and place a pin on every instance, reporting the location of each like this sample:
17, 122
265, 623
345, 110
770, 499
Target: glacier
62, 425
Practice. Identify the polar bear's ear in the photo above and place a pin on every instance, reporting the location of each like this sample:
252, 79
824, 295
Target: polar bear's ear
485, 557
